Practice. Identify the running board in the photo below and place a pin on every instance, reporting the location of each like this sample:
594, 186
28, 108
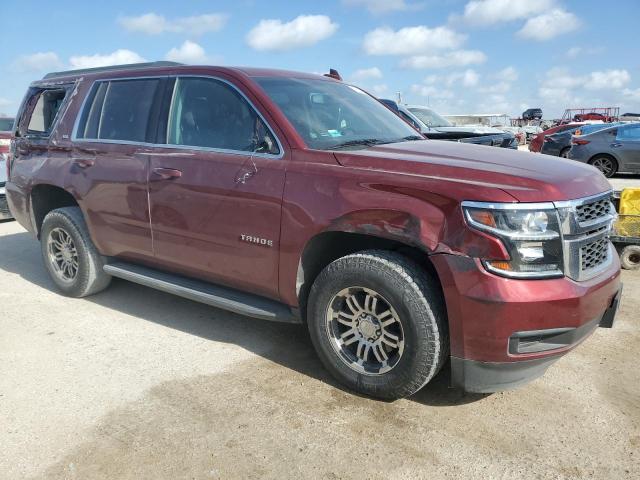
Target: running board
210, 294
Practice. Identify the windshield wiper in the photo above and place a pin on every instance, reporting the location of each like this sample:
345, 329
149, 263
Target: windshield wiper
412, 137
367, 142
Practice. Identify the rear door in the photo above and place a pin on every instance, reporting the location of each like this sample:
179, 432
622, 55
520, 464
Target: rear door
627, 147
216, 188
118, 119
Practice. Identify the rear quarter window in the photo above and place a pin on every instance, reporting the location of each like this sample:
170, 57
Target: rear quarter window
119, 110
43, 115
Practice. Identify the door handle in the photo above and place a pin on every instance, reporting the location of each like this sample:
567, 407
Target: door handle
616, 145
162, 173
84, 162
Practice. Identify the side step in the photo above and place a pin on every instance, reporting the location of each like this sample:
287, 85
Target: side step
210, 294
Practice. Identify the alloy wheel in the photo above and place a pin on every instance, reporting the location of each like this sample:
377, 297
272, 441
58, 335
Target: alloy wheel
365, 331
63, 255
605, 165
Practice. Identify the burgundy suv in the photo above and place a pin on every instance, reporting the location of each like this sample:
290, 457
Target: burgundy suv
299, 198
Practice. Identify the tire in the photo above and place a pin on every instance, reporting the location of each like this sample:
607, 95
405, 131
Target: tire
564, 153
630, 257
606, 164
408, 306
65, 241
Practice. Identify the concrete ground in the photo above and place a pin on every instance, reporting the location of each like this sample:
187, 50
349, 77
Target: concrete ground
136, 384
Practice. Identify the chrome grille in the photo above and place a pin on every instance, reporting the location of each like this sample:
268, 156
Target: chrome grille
586, 224
594, 254
593, 211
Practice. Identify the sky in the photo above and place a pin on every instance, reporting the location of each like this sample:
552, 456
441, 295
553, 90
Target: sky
456, 56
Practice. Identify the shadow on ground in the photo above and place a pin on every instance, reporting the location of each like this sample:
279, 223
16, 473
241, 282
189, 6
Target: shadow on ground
284, 344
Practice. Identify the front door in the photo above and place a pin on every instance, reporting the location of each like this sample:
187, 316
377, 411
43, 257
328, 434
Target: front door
216, 189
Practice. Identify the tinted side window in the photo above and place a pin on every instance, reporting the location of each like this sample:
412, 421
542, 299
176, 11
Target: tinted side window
209, 113
45, 111
629, 133
119, 110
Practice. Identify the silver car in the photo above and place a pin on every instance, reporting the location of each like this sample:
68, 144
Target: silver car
614, 149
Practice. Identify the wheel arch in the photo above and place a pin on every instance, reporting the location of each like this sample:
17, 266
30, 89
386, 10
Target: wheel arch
607, 154
329, 245
44, 198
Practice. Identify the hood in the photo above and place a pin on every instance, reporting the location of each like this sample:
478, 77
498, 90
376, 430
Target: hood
527, 177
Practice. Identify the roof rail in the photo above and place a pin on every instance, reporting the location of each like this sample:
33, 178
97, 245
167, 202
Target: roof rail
130, 66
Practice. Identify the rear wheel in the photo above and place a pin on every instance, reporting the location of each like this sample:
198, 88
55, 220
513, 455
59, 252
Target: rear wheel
607, 165
630, 257
73, 262
378, 323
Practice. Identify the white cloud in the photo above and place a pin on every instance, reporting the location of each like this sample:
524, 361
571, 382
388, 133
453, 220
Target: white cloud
609, 79
37, 62
366, 74
119, 57
154, 24
188, 52
575, 52
431, 91
302, 31
549, 25
410, 40
560, 79
380, 89
500, 87
457, 58
508, 74
633, 95
489, 12
381, 6
468, 78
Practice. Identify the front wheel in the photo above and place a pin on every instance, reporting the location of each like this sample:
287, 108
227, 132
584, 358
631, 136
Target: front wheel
71, 259
378, 323
605, 164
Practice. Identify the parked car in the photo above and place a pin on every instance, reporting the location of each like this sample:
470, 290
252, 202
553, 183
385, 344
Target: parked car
531, 131
536, 142
296, 197
592, 116
532, 114
434, 126
6, 127
560, 143
610, 150
518, 132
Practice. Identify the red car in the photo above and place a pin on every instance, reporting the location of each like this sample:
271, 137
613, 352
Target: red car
296, 197
536, 142
592, 116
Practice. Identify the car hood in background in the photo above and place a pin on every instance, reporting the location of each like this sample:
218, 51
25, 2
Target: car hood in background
525, 176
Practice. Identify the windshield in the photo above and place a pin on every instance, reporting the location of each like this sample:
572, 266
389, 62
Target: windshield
330, 115
430, 118
6, 124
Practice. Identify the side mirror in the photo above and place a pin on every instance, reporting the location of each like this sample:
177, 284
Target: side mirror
266, 145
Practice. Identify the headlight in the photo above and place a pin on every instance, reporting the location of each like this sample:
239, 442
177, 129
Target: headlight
530, 234
5, 142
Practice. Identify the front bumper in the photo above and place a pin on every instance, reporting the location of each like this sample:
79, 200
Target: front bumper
505, 332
